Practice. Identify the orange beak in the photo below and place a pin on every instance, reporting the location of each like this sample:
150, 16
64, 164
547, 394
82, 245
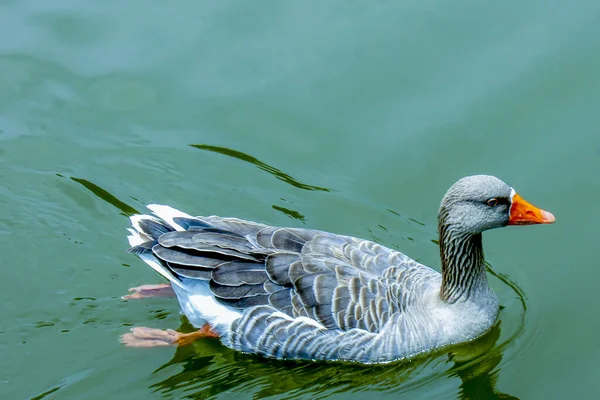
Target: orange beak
523, 213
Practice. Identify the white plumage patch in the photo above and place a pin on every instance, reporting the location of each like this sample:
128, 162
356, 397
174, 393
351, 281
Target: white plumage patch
199, 305
512, 194
135, 239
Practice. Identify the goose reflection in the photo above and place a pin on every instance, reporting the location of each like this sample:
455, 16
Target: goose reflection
207, 369
476, 365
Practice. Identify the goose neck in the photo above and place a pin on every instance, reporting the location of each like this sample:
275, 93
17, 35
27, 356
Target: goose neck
463, 268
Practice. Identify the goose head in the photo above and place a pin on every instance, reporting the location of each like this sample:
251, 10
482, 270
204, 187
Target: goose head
480, 202
472, 205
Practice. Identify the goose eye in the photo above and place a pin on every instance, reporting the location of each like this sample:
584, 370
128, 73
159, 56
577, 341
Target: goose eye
492, 202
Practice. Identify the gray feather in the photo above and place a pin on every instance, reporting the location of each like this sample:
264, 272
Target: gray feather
272, 287
304, 288
236, 292
236, 273
284, 239
324, 286
176, 256
143, 248
278, 265
188, 240
152, 228
247, 229
281, 300
190, 223
225, 241
191, 272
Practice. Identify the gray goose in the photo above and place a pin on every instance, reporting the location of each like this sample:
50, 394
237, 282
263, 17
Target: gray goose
293, 293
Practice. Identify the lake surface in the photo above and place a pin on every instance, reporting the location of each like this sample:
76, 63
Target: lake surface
347, 116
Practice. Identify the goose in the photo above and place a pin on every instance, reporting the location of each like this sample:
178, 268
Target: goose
295, 293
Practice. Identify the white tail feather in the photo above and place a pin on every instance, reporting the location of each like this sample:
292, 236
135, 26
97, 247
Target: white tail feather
135, 239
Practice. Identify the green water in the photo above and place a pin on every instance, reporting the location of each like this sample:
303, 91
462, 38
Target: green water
347, 116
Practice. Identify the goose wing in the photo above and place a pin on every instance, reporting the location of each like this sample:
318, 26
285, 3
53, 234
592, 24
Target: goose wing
340, 282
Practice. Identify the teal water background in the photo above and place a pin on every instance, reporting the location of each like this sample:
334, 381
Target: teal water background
347, 116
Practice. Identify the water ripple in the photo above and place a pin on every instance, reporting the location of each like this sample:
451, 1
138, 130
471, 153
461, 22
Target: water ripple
103, 194
282, 176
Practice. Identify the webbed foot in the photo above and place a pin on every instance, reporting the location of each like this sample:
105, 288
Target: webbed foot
150, 337
147, 291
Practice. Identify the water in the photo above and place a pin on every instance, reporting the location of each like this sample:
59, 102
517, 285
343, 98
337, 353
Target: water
352, 117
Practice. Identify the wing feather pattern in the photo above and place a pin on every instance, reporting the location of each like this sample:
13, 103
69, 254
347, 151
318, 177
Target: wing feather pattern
299, 288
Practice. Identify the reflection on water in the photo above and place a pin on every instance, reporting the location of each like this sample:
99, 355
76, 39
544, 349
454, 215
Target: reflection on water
207, 368
125, 209
475, 364
289, 212
47, 392
265, 167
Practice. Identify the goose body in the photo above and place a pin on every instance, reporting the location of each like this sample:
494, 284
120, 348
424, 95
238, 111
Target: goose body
294, 293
